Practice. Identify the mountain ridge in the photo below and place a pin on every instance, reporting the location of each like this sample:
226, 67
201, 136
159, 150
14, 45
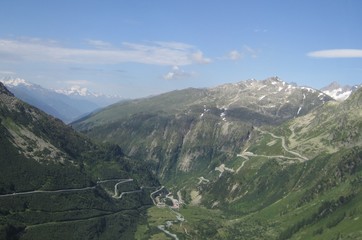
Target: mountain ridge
186, 130
277, 161
54, 179
224, 97
66, 107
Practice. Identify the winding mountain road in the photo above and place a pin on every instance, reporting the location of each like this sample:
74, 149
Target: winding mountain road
242, 164
300, 157
153, 200
48, 191
116, 195
120, 181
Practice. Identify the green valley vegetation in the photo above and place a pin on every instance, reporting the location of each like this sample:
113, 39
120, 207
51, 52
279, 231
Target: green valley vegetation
253, 160
58, 184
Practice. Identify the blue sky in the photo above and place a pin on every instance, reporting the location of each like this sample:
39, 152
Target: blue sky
140, 48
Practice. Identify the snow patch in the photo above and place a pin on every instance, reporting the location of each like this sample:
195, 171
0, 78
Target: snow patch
300, 108
222, 115
261, 87
76, 90
309, 89
338, 94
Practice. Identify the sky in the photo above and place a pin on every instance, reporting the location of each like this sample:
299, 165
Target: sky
138, 48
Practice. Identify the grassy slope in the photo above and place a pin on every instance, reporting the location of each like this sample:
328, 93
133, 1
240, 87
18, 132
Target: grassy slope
323, 202
169, 102
316, 199
88, 214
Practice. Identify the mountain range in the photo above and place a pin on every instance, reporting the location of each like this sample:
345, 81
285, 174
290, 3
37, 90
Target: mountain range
251, 160
65, 104
75, 102
248, 160
193, 126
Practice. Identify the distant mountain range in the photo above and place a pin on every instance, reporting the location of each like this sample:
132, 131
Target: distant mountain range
338, 92
65, 104
75, 102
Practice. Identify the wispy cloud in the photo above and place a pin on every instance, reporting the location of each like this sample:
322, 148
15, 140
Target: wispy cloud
176, 73
198, 57
336, 53
246, 51
99, 44
254, 53
155, 53
234, 55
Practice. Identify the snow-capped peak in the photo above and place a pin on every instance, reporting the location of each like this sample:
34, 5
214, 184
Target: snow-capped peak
77, 90
338, 92
14, 82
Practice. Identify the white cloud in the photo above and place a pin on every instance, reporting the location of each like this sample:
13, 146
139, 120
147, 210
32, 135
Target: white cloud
246, 51
234, 55
175, 45
199, 58
176, 73
99, 44
337, 53
157, 53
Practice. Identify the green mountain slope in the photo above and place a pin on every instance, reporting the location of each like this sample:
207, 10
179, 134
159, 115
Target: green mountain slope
189, 130
248, 169
279, 189
274, 99
57, 184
